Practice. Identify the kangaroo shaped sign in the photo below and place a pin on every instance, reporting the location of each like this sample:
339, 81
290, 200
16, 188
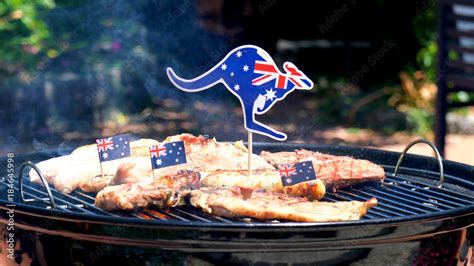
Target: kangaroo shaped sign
251, 75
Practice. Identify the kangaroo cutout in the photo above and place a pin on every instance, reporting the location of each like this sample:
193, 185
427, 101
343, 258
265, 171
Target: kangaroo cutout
251, 75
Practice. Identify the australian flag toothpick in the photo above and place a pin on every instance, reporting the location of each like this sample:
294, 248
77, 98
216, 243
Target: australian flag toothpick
292, 174
167, 154
113, 148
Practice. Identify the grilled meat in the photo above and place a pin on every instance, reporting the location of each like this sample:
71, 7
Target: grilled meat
67, 172
82, 168
334, 171
235, 202
168, 191
208, 155
263, 179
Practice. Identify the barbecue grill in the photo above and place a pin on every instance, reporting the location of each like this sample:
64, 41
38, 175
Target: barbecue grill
425, 215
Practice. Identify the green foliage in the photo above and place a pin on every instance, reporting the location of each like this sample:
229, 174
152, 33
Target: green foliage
23, 33
420, 120
424, 26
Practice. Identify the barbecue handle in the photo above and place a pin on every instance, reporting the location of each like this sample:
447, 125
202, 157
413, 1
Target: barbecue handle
43, 180
438, 157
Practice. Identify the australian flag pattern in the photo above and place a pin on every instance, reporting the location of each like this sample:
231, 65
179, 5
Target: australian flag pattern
292, 174
113, 148
251, 75
167, 154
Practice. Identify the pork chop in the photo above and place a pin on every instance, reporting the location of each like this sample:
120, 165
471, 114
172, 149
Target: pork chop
235, 202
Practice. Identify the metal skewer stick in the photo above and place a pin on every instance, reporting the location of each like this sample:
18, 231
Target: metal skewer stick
249, 148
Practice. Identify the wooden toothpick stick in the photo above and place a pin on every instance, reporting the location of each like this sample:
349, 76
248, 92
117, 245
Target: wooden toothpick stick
101, 170
249, 148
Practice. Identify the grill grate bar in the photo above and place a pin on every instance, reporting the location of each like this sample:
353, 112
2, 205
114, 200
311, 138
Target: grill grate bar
58, 199
143, 216
458, 196
155, 214
39, 199
430, 190
381, 209
72, 199
417, 195
174, 215
429, 205
379, 194
196, 217
389, 203
84, 195
208, 216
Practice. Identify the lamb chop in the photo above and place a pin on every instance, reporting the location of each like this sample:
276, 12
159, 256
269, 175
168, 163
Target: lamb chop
237, 202
333, 171
168, 191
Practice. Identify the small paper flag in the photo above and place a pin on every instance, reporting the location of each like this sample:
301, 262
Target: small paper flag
113, 148
292, 174
167, 154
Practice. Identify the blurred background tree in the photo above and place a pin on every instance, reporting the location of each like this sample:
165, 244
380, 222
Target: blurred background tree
78, 66
24, 35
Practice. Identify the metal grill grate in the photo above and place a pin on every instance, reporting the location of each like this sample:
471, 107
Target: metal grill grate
403, 195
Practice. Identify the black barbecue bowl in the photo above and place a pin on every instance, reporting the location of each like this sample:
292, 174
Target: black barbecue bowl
416, 222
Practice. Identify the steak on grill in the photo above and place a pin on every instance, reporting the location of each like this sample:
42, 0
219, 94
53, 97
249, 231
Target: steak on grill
237, 202
334, 171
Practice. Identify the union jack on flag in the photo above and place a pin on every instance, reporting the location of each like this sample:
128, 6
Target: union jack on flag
167, 154
292, 174
269, 72
113, 148
157, 151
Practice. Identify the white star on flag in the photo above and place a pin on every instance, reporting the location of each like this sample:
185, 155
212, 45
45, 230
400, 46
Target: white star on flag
288, 180
236, 87
231, 74
239, 54
105, 155
158, 162
246, 68
224, 66
177, 160
270, 94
